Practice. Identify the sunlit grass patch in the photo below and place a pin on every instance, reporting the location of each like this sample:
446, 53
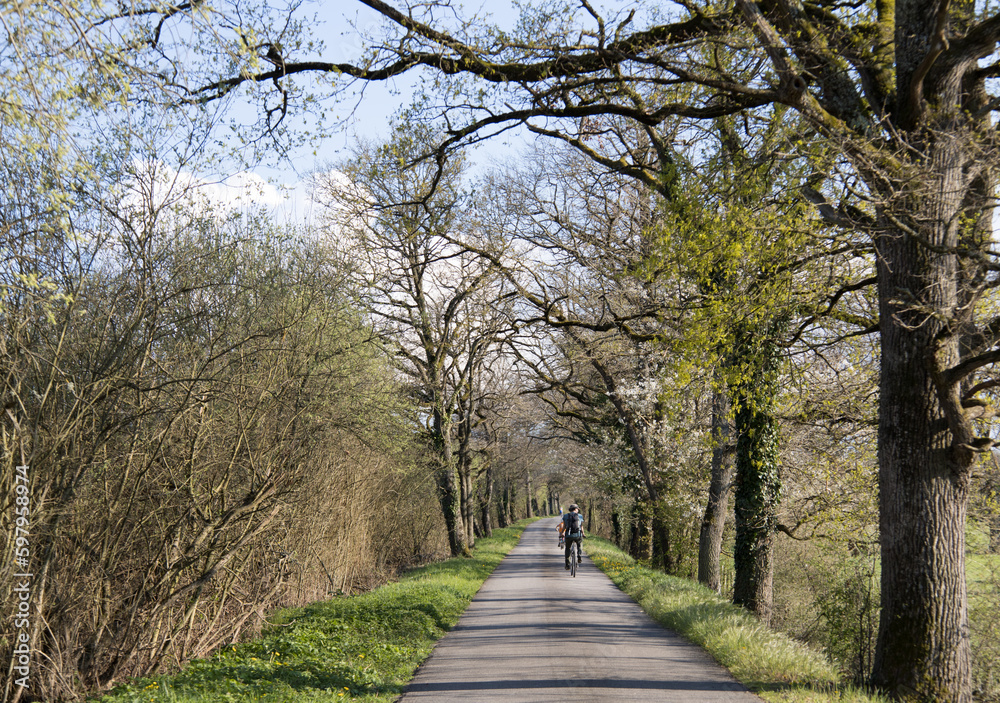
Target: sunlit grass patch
983, 572
362, 648
774, 666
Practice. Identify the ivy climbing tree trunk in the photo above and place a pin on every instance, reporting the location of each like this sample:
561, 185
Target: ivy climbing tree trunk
758, 483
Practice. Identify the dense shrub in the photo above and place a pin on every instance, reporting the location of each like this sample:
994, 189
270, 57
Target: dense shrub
209, 432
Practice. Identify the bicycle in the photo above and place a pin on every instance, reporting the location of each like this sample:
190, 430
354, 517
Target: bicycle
574, 557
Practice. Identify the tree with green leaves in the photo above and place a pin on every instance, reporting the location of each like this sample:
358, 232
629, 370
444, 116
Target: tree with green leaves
734, 237
573, 228
697, 280
902, 93
177, 376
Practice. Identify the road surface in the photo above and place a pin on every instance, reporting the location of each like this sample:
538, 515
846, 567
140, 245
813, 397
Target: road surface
533, 634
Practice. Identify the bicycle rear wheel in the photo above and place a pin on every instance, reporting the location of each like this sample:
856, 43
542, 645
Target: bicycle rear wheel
574, 557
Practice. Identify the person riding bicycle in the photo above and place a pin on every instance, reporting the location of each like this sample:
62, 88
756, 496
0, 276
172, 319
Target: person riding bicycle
561, 528
573, 531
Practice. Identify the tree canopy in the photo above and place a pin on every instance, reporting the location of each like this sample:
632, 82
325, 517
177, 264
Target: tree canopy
885, 109
900, 94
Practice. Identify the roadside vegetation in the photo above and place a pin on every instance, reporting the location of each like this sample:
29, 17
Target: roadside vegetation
773, 665
363, 647
367, 647
984, 617
748, 319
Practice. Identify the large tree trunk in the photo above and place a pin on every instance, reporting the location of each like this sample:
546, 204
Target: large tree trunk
758, 483
448, 491
926, 298
528, 498
466, 493
641, 543
486, 502
451, 509
662, 541
616, 527
504, 503
714, 521
467, 479
923, 643
757, 492
469, 505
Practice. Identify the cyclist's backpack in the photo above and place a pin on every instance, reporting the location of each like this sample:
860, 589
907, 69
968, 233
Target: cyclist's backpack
574, 525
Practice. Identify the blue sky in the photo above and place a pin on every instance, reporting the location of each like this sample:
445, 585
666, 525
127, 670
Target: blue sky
364, 115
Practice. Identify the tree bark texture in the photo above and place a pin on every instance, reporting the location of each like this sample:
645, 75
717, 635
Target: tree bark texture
504, 500
714, 521
447, 488
925, 302
756, 497
466, 475
451, 509
486, 501
468, 504
662, 543
923, 650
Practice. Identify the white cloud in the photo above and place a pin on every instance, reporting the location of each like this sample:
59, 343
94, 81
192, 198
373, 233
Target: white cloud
156, 184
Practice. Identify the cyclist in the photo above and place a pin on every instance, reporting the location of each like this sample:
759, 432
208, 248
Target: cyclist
572, 523
561, 528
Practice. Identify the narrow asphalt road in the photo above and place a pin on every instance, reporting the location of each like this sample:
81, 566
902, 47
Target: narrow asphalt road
534, 634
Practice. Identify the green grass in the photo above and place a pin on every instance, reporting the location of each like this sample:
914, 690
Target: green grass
367, 647
362, 648
772, 665
982, 571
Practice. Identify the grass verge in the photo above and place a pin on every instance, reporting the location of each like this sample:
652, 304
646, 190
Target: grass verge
362, 648
772, 665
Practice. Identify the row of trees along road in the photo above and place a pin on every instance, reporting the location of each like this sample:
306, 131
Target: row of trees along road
897, 94
712, 285
440, 307
878, 114
207, 423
